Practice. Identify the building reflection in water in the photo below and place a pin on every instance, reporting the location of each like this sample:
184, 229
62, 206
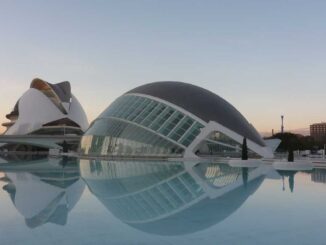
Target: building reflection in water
43, 190
170, 198
290, 175
318, 175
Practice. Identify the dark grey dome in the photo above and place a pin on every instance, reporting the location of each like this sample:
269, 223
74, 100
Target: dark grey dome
202, 103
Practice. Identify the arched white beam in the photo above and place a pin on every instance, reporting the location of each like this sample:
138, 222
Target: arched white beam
212, 126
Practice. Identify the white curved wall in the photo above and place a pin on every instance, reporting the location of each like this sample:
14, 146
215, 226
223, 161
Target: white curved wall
36, 109
77, 114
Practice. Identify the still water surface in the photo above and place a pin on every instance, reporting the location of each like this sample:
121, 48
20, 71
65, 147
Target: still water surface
70, 201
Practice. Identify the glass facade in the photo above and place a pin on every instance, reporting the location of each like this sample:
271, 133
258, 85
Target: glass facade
222, 145
134, 125
219, 144
156, 116
224, 139
109, 136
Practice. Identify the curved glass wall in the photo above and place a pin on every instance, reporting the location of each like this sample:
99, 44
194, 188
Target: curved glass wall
111, 136
156, 116
134, 125
222, 145
219, 144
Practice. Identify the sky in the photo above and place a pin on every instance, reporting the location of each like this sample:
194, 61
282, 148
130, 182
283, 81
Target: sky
267, 58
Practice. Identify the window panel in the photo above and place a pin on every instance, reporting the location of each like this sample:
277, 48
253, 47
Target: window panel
152, 116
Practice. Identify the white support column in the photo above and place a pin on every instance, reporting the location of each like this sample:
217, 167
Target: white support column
204, 132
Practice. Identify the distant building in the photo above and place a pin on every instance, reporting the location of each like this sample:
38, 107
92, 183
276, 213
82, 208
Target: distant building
318, 131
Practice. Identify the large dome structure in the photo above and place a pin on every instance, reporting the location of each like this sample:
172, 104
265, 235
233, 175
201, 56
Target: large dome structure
47, 108
171, 119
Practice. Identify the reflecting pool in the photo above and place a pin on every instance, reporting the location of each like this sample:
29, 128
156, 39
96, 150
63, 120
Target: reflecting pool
69, 201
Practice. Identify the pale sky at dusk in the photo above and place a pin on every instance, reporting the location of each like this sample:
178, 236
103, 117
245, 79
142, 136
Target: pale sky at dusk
267, 58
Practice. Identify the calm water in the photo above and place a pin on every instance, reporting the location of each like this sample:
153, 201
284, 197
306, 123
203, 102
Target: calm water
65, 201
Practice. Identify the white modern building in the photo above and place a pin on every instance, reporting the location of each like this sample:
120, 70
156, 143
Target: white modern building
171, 119
47, 109
44, 109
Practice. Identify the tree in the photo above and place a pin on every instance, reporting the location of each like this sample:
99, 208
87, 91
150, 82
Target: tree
244, 150
290, 155
295, 141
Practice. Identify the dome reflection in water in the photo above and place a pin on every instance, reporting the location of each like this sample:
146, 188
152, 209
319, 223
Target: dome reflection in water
170, 198
43, 190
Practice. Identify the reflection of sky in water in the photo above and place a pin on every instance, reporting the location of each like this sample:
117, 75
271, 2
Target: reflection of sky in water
268, 216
